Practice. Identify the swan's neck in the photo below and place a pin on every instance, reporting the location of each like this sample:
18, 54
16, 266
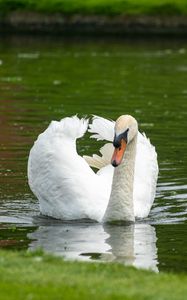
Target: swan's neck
120, 206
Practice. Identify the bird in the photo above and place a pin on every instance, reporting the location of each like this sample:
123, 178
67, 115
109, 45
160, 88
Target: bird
67, 184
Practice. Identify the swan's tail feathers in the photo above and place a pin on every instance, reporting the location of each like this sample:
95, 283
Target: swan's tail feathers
102, 129
99, 162
72, 127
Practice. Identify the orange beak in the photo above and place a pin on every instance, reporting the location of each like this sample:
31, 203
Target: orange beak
118, 154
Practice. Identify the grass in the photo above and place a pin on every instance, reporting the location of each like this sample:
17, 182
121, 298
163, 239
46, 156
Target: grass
40, 276
103, 7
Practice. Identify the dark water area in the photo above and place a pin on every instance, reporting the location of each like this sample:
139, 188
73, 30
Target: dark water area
47, 79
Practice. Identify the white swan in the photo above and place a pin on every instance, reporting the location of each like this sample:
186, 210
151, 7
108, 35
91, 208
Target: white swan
68, 189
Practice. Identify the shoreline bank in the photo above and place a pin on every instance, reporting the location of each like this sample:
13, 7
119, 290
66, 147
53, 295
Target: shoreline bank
33, 22
35, 275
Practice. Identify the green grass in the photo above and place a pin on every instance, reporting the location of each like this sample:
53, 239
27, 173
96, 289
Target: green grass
40, 276
104, 7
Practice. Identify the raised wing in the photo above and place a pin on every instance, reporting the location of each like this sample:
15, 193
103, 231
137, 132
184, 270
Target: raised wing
102, 129
146, 173
67, 188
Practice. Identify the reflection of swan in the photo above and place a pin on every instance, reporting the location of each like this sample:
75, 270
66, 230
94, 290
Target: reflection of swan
66, 186
132, 245
70, 240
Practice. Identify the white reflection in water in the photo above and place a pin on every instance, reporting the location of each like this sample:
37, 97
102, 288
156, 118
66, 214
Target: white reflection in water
29, 55
132, 245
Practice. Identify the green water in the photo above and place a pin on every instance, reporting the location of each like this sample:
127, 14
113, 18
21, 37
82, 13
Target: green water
46, 79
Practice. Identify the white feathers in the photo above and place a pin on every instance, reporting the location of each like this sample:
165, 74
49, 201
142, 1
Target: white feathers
99, 162
71, 127
103, 129
146, 165
67, 188
145, 179
65, 185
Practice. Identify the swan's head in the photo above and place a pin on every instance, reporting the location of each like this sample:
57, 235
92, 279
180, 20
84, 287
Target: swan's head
126, 128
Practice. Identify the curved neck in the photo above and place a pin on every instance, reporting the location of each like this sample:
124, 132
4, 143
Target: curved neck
120, 207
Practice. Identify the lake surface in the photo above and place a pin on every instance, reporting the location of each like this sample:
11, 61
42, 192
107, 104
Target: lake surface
47, 79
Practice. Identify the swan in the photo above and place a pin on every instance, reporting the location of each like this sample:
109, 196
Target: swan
67, 187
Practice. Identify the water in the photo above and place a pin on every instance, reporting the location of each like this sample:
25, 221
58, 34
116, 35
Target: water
46, 79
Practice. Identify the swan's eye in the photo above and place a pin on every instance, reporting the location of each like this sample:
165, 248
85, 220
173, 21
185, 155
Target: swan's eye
118, 139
